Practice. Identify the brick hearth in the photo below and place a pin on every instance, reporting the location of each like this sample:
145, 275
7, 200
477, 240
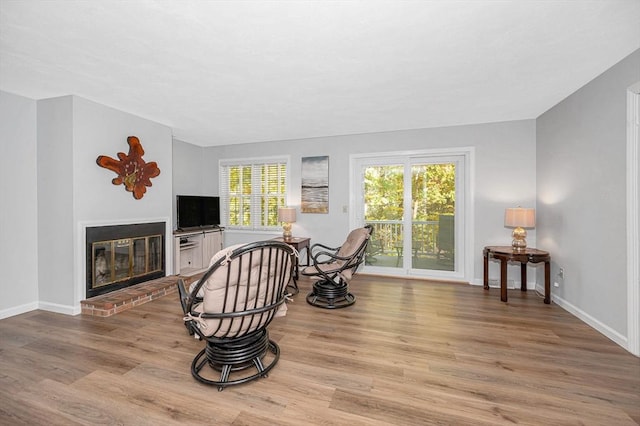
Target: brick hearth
120, 300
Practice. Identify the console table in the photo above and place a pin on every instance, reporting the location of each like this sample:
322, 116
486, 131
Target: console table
507, 254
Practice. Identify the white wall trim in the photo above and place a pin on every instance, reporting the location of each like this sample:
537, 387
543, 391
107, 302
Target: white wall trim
578, 313
45, 306
17, 310
60, 309
633, 211
592, 322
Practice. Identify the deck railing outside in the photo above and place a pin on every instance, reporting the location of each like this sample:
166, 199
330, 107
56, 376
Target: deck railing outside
388, 235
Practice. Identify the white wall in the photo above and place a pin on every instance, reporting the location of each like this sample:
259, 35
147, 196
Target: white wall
188, 172
504, 176
581, 149
55, 203
74, 192
18, 197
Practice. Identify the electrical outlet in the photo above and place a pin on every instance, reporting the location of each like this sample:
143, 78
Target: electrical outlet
556, 284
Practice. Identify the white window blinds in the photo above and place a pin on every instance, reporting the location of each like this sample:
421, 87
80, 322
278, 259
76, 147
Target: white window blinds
251, 192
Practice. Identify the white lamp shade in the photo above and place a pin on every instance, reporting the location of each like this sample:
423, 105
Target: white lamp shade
287, 214
519, 217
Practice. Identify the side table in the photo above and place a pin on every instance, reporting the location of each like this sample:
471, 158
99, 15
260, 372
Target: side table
507, 254
297, 243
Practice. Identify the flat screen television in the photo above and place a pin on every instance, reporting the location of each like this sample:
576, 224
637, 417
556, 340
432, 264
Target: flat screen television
196, 211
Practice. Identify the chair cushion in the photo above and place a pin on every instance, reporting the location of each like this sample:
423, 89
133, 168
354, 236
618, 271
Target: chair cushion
355, 239
242, 295
217, 256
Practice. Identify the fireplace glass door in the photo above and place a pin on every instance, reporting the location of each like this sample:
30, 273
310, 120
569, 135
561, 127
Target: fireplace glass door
123, 259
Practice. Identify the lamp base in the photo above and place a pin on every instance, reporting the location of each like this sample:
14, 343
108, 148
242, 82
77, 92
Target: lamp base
286, 230
519, 242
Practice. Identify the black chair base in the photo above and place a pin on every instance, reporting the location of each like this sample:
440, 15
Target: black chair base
230, 359
330, 295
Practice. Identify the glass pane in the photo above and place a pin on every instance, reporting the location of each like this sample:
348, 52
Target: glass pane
139, 256
234, 180
121, 260
154, 259
101, 264
283, 179
384, 209
273, 181
246, 180
272, 212
433, 206
270, 179
234, 211
246, 211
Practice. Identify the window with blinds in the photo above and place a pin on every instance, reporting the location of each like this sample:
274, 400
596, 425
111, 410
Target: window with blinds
251, 192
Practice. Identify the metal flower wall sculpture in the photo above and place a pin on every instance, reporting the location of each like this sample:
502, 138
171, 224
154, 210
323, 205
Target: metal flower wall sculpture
131, 169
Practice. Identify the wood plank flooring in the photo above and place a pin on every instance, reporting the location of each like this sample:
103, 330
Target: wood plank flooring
409, 352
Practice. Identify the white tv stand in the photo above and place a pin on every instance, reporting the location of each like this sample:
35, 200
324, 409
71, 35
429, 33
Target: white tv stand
192, 250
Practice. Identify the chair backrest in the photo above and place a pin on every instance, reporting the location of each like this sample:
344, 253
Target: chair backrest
242, 290
355, 246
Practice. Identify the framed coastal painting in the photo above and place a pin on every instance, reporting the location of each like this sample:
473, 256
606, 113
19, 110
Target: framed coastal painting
314, 194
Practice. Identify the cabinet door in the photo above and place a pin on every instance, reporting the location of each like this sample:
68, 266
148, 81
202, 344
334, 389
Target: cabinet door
211, 244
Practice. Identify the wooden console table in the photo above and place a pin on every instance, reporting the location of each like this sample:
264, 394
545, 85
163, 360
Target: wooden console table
506, 254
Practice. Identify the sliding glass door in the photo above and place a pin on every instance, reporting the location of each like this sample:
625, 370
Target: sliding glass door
415, 205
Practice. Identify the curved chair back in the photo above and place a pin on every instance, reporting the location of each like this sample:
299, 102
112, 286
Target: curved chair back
242, 291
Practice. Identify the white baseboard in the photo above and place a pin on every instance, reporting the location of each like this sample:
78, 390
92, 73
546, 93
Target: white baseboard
573, 310
17, 310
60, 309
588, 319
45, 306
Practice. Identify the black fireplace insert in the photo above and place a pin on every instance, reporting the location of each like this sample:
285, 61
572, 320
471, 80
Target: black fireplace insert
119, 256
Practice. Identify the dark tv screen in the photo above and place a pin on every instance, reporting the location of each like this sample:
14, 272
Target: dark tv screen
210, 211
196, 211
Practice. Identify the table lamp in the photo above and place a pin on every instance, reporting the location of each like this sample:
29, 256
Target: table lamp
286, 215
519, 218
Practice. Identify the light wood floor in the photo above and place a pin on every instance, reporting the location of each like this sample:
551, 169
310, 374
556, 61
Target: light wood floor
408, 352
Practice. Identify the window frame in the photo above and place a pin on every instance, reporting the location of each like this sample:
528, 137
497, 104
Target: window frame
257, 213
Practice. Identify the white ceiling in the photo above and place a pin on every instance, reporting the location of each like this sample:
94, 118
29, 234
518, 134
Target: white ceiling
225, 72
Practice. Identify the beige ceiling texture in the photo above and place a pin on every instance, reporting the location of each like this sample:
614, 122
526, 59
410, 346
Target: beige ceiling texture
226, 72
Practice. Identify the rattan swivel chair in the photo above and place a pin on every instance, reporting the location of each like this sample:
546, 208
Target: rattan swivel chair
231, 306
333, 269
